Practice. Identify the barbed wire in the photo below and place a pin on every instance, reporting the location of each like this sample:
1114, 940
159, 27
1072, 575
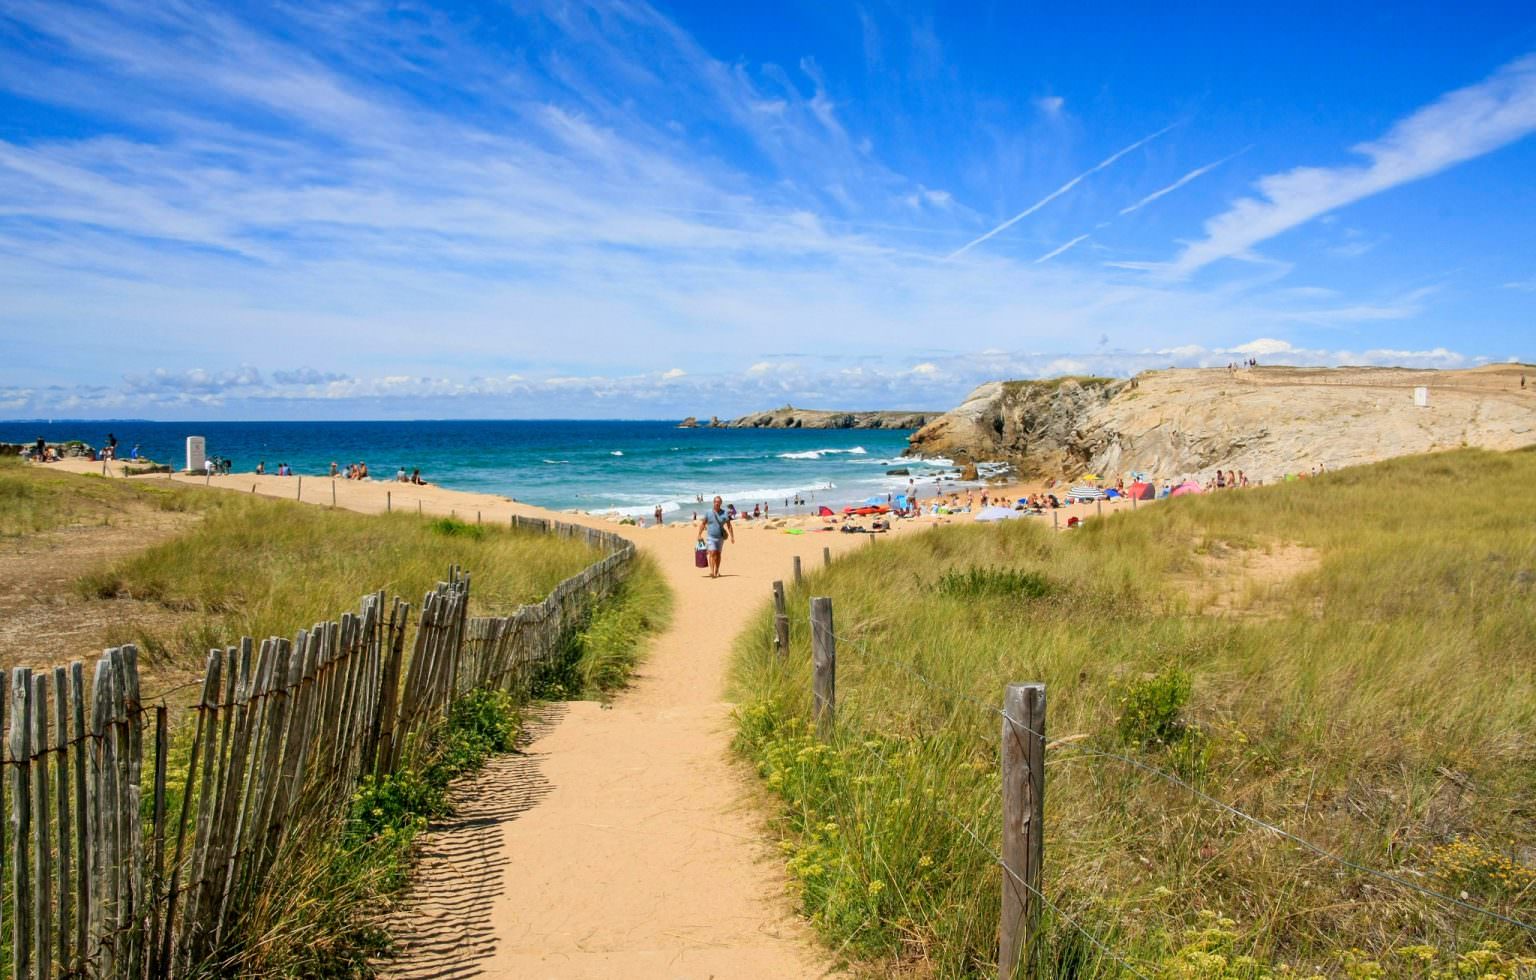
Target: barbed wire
998, 858
1087, 753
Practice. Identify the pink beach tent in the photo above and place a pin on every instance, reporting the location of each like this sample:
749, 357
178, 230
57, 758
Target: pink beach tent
1188, 486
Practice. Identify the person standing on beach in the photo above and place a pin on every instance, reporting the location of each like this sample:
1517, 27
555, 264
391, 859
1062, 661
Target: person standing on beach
658, 515
716, 525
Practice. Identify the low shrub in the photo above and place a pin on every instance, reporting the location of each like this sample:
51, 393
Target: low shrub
989, 583
1152, 710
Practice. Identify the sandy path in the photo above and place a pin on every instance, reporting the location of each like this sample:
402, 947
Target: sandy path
643, 860
623, 842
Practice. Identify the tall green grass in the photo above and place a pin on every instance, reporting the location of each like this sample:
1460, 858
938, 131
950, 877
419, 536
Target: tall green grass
37, 498
1381, 704
260, 567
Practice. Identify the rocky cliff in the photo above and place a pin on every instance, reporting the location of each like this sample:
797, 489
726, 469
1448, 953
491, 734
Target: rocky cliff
790, 417
1036, 425
1266, 422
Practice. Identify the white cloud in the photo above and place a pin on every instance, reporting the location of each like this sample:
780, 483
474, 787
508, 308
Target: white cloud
1457, 127
1264, 346
673, 374
1524, 285
1050, 105
878, 382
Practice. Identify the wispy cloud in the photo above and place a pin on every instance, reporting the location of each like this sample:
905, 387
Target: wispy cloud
1193, 175
1524, 285
1457, 127
1053, 195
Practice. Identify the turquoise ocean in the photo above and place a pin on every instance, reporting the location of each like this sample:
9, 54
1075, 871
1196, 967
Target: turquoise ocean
599, 466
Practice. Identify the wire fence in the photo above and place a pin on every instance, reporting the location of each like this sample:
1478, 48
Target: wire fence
124, 857
826, 643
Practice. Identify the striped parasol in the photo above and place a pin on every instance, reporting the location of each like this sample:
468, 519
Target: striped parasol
1084, 492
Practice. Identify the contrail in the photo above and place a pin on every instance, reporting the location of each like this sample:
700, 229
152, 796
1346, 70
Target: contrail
1059, 249
1053, 195
1197, 172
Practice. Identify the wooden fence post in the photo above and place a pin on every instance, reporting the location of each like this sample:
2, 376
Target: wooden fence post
826, 557
298, 494
42, 873
780, 621
1098, 508
798, 576
21, 821
333, 491
824, 660
63, 789
1055, 521
1023, 763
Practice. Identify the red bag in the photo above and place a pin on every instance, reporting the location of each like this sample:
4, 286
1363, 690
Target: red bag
700, 556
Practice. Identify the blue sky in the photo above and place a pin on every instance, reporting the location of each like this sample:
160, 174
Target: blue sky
631, 210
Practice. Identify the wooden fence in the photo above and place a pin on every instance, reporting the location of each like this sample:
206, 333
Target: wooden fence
105, 875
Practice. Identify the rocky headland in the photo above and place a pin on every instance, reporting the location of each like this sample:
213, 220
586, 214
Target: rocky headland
1267, 421
790, 417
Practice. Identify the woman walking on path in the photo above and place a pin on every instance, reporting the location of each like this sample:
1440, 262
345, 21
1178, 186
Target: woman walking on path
716, 524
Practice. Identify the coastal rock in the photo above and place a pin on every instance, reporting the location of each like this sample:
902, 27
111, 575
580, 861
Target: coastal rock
688, 423
1266, 422
790, 417
73, 449
1031, 424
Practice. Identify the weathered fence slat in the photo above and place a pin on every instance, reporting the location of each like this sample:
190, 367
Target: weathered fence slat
42, 850
105, 882
21, 821
63, 789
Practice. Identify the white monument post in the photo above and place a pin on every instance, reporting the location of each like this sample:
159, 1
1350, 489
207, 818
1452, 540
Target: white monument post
1421, 396
197, 457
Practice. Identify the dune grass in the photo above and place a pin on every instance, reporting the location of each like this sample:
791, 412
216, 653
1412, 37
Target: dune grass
255, 566
260, 567
37, 498
1378, 699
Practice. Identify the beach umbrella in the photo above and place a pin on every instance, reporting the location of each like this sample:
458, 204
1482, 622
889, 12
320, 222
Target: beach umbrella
1084, 492
877, 500
998, 514
824, 511
1090, 476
